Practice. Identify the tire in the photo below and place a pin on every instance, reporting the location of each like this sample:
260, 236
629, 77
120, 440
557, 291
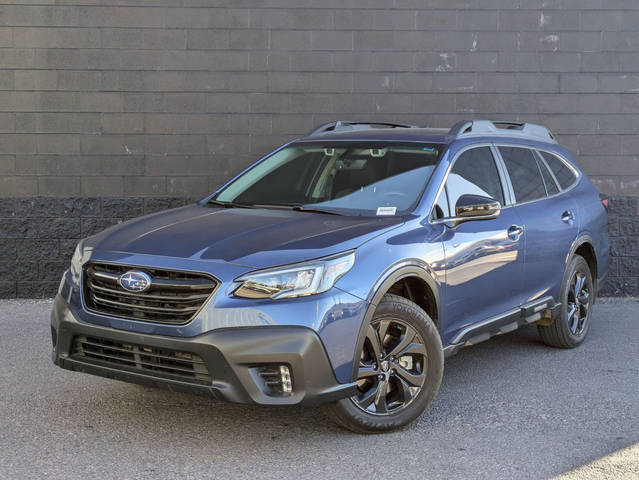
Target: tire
570, 329
407, 330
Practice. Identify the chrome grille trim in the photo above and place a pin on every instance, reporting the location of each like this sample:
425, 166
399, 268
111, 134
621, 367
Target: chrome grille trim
175, 297
167, 298
190, 285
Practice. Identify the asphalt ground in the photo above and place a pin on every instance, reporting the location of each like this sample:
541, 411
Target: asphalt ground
508, 408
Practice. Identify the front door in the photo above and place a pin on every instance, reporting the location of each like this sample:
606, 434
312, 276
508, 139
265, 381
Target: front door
484, 258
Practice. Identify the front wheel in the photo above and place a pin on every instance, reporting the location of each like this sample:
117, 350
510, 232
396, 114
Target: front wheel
577, 296
400, 369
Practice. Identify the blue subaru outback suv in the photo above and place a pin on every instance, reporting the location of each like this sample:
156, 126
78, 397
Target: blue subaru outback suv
342, 269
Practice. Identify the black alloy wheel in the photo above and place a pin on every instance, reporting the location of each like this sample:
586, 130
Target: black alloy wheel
399, 368
392, 368
570, 328
578, 303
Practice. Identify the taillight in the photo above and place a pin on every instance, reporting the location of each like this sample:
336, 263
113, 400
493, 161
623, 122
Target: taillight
604, 200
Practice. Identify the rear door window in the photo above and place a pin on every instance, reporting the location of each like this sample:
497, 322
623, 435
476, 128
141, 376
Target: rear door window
525, 177
563, 173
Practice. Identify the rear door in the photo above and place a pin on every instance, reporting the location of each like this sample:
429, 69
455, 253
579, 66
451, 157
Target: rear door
548, 216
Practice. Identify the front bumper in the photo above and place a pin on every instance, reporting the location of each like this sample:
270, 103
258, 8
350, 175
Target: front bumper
231, 356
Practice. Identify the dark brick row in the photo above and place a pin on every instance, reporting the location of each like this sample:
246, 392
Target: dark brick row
24, 209
38, 236
623, 227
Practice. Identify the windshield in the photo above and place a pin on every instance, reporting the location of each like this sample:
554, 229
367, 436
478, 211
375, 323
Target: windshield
351, 179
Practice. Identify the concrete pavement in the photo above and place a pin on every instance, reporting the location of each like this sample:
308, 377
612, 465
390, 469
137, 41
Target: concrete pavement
508, 408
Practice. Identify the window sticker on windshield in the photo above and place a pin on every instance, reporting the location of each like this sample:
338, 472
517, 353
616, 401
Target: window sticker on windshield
386, 210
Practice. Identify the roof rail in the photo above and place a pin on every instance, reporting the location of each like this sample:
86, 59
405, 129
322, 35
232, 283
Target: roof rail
470, 128
345, 125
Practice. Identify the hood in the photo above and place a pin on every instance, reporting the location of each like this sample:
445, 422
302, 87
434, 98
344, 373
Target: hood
255, 238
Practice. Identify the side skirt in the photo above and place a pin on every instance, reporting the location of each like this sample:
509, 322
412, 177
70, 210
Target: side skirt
543, 311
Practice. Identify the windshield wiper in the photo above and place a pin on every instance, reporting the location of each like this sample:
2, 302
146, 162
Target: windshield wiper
297, 208
230, 204
302, 208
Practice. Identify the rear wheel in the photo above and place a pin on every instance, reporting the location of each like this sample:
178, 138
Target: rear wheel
577, 295
400, 369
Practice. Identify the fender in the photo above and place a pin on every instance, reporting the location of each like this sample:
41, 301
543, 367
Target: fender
578, 242
413, 267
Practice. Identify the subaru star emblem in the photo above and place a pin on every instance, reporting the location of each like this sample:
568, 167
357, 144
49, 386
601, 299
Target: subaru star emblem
134, 281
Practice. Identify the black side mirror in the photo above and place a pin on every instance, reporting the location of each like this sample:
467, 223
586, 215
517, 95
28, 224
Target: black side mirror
476, 207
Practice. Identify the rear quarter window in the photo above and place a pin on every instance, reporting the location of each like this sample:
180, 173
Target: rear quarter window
563, 173
524, 173
551, 186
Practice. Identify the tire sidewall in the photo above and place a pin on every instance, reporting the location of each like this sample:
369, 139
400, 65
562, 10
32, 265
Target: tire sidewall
577, 264
410, 313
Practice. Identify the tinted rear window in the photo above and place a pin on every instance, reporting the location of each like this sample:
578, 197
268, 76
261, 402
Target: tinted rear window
564, 175
524, 173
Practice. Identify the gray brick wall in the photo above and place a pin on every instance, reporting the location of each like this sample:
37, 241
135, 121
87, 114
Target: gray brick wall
146, 99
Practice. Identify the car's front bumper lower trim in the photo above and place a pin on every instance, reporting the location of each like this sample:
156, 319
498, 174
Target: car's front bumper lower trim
229, 355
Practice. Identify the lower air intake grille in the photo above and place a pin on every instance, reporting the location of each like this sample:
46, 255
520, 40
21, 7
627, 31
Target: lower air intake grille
174, 297
155, 361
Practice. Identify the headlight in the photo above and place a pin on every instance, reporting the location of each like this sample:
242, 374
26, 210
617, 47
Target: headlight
297, 280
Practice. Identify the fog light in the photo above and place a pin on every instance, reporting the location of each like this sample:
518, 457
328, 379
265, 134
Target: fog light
275, 379
285, 376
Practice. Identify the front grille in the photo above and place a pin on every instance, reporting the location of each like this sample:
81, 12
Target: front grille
174, 297
159, 362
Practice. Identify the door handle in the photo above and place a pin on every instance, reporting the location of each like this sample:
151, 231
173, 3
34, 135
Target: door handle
515, 231
567, 217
